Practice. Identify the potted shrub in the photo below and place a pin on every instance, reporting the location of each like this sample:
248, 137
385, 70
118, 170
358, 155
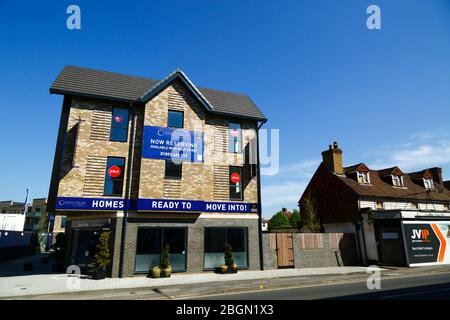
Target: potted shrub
229, 266
58, 252
155, 272
102, 257
166, 269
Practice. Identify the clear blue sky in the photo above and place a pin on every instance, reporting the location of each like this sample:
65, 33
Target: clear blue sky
312, 67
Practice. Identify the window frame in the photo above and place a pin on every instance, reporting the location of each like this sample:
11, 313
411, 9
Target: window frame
168, 118
363, 177
229, 138
399, 179
241, 173
226, 241
173, 177
162, 245
115, 126
428, 184
109, 178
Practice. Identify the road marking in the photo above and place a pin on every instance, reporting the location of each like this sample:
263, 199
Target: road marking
298, 287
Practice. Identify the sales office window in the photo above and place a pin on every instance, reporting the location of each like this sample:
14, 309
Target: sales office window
235, 137
150, 243
235, 183
114, 176
173, 170
175, 119
215, 243
119, 125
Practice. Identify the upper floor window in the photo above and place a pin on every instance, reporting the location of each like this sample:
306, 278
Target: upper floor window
379, 205
428, 184
235, 183
397, 181
235, 137
363, 177
119, 125
175, 119
173, 170
114, 176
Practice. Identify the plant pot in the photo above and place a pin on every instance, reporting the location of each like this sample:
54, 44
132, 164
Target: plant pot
44, 260
155, 272
225, 270
99, 274
28, 266
165, 273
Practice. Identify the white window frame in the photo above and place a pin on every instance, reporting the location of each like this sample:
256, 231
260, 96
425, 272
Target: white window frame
398, 180
363, 177
428, 184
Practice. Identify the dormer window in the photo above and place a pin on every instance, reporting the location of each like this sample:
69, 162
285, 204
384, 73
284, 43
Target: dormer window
363, 177
428, 184
397, 181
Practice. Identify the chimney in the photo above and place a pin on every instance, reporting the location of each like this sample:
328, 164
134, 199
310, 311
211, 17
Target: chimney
332, 158
437, 174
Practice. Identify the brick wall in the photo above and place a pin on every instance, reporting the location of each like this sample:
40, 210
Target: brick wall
314, 250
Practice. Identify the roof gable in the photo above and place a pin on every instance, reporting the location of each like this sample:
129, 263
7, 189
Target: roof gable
177, 74
395, 171
85, 82
361, 167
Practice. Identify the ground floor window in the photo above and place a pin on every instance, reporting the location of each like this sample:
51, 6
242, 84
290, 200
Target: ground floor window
215, 242
151, 241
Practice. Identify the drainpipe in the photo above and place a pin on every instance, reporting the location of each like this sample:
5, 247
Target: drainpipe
127, 192
258, 179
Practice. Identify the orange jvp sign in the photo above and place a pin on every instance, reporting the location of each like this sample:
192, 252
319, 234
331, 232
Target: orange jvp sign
441, 240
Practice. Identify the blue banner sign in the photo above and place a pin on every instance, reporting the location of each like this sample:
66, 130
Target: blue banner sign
67, 203
172, 144
195, 205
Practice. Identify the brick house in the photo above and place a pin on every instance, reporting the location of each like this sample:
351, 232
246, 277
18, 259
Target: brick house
155, 163
383, 208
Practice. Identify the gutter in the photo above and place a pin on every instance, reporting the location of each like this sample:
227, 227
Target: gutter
258, 180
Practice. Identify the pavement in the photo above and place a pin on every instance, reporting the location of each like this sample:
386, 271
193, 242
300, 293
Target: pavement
250, 284
16, 283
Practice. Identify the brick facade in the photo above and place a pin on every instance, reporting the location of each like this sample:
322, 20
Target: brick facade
87, 146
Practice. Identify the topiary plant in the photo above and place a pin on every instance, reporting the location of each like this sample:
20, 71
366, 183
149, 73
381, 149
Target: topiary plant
165, 262
228, 256
102, 257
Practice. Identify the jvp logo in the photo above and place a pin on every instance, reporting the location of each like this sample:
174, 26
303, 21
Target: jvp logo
421, 234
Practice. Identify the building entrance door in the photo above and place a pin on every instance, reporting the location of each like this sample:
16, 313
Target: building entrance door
390, 243
84, 249
285, 250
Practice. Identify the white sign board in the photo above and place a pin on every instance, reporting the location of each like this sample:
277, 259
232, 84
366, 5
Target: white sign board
12, 222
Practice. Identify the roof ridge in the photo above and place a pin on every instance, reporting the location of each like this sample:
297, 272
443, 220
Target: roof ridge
158, 80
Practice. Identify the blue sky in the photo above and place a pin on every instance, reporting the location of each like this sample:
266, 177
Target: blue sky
312, 67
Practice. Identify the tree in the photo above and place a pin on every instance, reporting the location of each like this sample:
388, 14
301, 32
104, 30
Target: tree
102, 257
279, 220
229, 261
294, 220
311, 218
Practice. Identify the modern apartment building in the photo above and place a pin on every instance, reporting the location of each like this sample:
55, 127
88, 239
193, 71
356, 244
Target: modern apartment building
156, 163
